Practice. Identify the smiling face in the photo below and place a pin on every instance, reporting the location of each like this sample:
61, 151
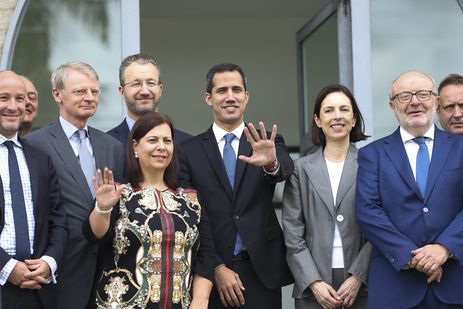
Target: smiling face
228, 99
142, 90
415, 117
79, 99
336, 117
450, 108
155, 149
12, 103
32, 102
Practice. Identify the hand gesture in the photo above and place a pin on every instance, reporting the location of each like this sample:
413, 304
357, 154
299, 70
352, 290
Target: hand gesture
429, 258
263, 149
326, 296
106, 190
348, 290
39, 273
229, 286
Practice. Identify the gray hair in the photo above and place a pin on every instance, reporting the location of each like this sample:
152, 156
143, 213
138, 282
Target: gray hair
59, 76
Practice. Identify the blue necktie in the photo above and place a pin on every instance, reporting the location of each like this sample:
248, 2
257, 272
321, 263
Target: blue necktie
422, 164
86, 161
21, 228
229, 160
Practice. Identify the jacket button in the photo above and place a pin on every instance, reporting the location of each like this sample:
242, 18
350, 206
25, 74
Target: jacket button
236, 217
340, 218
425, 209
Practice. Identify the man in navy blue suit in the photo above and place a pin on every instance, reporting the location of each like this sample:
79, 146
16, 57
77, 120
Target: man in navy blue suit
141, 88
409, 204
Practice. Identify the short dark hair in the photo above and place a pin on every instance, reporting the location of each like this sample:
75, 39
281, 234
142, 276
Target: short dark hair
139, 58
143, 125
451, 79
220, 68
357, 133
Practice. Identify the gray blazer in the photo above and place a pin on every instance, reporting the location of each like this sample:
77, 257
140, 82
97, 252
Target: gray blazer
76, 276
309, 216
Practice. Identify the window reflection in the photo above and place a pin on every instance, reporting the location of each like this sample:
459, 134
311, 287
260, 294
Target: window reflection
57, 31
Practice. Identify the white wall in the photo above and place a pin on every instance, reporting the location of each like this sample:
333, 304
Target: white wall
264, 47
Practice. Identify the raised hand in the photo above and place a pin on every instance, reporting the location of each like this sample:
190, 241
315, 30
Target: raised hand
106, 190
263, 149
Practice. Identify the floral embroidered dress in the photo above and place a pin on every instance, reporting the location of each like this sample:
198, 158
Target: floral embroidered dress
154, 237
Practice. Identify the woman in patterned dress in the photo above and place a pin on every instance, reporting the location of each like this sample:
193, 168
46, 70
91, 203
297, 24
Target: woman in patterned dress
150, 230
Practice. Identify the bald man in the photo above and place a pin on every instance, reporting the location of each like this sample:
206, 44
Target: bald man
33, 229
32, 106
409, 203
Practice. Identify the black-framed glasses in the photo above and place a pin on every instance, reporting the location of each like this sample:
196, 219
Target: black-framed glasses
406, 96
137, 84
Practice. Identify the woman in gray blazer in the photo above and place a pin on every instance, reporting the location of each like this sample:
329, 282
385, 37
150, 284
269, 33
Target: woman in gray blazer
326, 252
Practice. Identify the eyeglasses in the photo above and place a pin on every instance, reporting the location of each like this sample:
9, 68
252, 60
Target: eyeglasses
137, 84
406, 96
83, 92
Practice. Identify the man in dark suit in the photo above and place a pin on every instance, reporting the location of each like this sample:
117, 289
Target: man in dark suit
235, 175
141, 89
409, 203
450, 103
77, 150
33, 228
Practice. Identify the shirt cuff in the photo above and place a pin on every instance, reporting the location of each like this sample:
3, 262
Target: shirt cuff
275, 172
6, 271
53, 266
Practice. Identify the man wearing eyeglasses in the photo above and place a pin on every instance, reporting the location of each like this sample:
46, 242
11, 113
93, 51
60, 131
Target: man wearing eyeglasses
450, 103
77, 150
409, 203
141, 89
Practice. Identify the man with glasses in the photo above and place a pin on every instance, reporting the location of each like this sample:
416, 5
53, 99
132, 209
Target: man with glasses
141, 89
409, 203
77, 150
32, 106
450, 103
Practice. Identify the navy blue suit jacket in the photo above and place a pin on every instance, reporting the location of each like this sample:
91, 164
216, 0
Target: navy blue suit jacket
396, 219
51, 229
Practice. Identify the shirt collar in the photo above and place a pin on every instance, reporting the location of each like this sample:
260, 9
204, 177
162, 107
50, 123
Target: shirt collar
219, 133
14, 139
406, 136
68, 128
130, 122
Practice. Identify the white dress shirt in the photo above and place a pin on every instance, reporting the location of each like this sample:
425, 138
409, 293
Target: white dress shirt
412, 148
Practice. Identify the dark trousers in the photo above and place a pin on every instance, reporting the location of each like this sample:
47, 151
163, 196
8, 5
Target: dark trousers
15, 298
256, 295
430, 301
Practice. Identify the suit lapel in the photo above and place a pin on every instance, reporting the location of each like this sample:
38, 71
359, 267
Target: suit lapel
316, 169
209, 144
64, 150
349, 173
441, 149
98, 150
395, 150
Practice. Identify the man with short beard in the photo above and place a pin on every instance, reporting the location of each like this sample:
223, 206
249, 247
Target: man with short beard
141, 89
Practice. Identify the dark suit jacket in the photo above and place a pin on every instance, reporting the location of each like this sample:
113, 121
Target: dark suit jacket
77, 273
396, 219
248, 209
51, 229
121, 133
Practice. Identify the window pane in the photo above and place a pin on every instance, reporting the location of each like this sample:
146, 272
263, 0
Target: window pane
54, 32
406, 36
